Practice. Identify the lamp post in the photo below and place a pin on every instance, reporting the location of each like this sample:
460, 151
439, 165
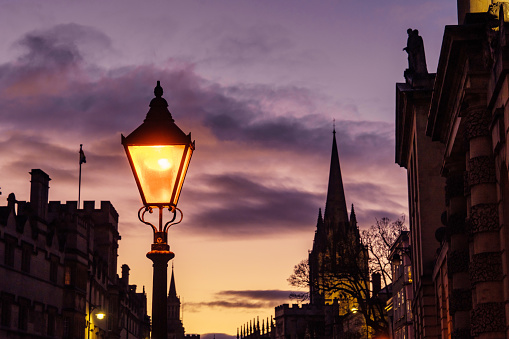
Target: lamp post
159, 154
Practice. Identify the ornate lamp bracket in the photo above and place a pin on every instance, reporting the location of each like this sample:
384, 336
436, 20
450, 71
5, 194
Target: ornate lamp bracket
161, 232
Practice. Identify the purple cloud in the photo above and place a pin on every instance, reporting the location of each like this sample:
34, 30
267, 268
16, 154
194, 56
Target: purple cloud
248, 299
249, 207
45, 108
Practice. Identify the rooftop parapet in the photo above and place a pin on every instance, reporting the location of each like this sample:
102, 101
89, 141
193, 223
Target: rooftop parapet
296, 309
106, 209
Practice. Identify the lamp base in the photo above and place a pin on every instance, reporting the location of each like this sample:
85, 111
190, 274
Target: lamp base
160, 248
160, 254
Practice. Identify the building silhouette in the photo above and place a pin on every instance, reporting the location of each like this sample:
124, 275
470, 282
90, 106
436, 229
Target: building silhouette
451, 136
58, 268
175, 326
338, 258
338, 252
252, 329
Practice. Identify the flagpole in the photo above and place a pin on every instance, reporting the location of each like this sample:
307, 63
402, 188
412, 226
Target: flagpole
79, 184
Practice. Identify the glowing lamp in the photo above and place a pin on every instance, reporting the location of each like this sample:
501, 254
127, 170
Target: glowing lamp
159, 154
100, 315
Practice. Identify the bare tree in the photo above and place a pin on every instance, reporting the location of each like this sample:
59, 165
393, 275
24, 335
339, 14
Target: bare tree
354, 281
378, 239
300, 279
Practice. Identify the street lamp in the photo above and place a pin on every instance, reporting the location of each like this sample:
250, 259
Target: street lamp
100, 315
159, 154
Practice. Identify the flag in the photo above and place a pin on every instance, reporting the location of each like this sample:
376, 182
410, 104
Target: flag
83, 159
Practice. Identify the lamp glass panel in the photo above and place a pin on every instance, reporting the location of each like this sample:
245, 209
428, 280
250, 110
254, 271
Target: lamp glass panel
157, 169
183, 175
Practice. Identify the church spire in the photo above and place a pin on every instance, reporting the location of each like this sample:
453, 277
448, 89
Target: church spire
320, 234
335, 207
172, 294
320, 219
353, 218
353, 225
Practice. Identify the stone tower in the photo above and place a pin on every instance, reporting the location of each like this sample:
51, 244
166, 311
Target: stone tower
175, 327
336, 246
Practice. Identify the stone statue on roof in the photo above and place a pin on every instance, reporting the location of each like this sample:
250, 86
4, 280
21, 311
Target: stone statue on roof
415, 50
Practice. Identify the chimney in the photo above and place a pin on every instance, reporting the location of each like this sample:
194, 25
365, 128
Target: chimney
39, 190
125, 275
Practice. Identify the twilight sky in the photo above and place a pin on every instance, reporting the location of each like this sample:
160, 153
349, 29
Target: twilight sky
257, 82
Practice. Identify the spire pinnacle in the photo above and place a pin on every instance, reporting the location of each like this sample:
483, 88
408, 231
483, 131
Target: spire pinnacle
352, 215
172, 293
335, 206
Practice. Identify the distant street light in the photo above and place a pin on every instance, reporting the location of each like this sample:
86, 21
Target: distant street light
100, 315
159, 154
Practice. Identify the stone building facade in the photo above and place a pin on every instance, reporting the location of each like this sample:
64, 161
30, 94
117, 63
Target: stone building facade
133, 320
400, 304
451, 137
58, 266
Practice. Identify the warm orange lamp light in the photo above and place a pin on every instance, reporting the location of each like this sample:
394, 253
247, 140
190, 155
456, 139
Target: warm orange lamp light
159, 154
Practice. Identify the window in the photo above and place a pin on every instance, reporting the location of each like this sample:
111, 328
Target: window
26, 257
67, 327
67, 275
23, 317
5, 319
408, 275
399, 305
10, 245
53, 269
51, 324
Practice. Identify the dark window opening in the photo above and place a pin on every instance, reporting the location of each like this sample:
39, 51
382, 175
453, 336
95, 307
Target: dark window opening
67, 327
23, 317
26, 257
5, 319
53, 270
10, 246
51, 324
